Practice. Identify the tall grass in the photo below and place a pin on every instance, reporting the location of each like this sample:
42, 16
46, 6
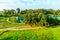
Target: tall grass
40, 34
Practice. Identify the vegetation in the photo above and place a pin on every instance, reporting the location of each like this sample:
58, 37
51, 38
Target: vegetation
39, 17
40, 34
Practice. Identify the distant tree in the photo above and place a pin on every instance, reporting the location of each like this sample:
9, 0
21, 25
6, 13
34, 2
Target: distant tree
18, 10
51, 11
5, 12
13, 12
57, 12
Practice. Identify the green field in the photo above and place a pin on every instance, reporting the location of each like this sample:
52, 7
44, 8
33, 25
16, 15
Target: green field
6, 24
45, 21
40, 34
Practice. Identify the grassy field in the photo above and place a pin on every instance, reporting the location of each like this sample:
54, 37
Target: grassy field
40, 34
8, 25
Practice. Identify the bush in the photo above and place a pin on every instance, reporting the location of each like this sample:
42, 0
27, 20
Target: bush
13, 19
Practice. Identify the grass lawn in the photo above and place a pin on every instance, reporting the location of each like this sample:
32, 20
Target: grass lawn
40, 34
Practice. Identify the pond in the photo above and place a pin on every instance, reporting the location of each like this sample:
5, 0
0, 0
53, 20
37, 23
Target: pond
19, 18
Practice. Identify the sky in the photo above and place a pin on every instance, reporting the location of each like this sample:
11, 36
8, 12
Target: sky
29, 4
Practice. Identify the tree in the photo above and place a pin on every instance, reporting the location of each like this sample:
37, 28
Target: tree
5, 12
57, 12
18, 10
13, 12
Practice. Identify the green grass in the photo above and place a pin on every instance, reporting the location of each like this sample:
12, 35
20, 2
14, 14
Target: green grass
2, 18
5, 24
40, 34
8, 25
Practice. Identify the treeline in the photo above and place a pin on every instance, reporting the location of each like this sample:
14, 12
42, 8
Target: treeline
18, 12
40, 17
11, 12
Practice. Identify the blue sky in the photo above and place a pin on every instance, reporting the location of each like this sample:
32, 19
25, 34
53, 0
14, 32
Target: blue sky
29, 4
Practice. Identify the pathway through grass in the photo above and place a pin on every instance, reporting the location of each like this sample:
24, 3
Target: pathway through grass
39, 34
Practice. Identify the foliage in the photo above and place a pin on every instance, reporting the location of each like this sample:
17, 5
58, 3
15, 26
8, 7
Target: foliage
38, 17
40, 34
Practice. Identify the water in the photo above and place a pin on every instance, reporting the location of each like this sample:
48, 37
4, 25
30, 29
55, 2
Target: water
20, 19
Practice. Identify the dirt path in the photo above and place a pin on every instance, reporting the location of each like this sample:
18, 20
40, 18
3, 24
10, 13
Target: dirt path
21, 28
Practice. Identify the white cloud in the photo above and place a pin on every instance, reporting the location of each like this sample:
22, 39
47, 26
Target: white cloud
48, 2
6, 1
27, 0
8, 4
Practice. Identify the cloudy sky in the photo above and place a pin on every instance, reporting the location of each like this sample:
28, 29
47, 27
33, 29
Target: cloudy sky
29, 4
